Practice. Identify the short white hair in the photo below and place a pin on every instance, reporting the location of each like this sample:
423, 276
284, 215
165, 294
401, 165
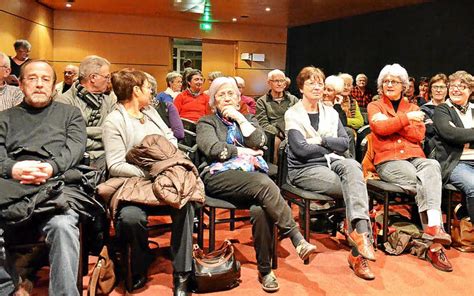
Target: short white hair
239, 80
361, 75
346, 77
335, 82
275, 72
393, 70
6, 59
91, 65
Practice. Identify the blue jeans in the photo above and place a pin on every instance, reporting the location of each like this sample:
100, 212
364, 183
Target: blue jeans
62, 236
462, 177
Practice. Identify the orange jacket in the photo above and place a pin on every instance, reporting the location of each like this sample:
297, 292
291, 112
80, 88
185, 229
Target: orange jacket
397, 137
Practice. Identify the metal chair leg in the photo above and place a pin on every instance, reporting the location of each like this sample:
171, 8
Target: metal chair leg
385, 217
232, 220
275, 247
212, 229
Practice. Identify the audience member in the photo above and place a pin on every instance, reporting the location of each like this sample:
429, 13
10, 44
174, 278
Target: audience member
409, 93
397, 133
250, 102
88, 94
211, 76
231, 143
70, 76
360, 92
41, 140
128, 125
437, 91
333, 87
9, 95
316, 141
422, 97
166, 110
22, 49
174, 80
350, 105
454, 140
272, 106
192, 104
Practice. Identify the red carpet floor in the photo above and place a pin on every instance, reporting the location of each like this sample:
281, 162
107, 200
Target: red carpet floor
328, 274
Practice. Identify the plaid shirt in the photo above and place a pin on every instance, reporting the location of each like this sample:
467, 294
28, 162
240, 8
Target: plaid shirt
10, 96
363, 99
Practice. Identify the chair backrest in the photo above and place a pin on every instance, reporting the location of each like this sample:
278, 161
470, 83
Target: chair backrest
270, 145
361, 145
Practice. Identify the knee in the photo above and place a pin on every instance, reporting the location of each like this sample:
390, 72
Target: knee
131, 216
432, 164
257, 214
62, 226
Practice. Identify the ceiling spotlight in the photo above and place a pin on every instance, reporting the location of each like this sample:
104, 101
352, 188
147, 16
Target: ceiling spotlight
234, 19
268, 9
68, 5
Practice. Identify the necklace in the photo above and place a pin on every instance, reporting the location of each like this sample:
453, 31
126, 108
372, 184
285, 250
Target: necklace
140, 117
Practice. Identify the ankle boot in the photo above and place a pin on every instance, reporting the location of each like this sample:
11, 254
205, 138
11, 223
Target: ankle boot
181, 283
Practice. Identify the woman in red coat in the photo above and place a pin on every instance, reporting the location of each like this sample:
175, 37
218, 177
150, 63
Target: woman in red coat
398, 131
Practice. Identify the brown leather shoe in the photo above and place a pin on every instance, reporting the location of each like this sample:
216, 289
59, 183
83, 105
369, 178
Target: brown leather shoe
363, 244
361, 267
436, 256
437, 235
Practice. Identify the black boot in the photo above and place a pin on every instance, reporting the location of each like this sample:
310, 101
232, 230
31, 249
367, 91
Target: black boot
181, 283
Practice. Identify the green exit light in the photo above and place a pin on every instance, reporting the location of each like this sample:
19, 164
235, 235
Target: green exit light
206, 26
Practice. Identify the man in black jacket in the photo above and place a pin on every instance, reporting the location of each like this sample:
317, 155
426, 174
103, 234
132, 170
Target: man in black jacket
40, 140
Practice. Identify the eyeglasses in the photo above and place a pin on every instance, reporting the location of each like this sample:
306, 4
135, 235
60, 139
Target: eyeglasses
314, 84
438, 87
71, 73
223, 95
392, 82
460, 87
278, 81
106, 77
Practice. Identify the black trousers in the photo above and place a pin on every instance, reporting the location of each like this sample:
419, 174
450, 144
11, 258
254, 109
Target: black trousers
267, 207
131, 225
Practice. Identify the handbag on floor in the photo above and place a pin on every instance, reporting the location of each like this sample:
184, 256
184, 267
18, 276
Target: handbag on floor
216, 271
102, 280
462, 232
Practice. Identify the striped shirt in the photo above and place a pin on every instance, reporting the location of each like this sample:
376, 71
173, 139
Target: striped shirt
10, 96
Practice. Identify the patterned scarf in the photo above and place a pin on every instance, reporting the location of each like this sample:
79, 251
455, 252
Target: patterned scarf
462, 109
246, 163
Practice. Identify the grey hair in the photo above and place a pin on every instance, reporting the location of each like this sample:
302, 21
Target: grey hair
152, 82
346, 77
361, 75
239, 80
464, 76
171, 76
275, 72
217, 84
21, 43
6, 59
91, 65
215, 74
336, 82
393, 70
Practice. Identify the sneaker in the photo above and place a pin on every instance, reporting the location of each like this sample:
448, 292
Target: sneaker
269, 282
306, 251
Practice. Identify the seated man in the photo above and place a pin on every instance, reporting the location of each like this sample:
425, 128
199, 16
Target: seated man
272, 106
40, 140
89, 95
70, 76
9, 95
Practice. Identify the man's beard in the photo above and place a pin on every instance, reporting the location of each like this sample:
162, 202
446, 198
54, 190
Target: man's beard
38, 100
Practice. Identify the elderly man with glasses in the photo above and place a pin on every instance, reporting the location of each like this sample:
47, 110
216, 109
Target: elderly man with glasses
272, 106
89, 94
9, 95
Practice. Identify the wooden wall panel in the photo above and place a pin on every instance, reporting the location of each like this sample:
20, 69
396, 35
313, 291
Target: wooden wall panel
218, 56
275, 55
117, 48
255, 81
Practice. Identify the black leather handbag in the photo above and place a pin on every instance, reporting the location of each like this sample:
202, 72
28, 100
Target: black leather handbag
216, 271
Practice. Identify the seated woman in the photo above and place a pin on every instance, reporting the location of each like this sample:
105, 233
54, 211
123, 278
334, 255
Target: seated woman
125, 127
454, 141
232, 143
334, 86
437, 91
174, 81
192, 103
397, 133
316, 141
